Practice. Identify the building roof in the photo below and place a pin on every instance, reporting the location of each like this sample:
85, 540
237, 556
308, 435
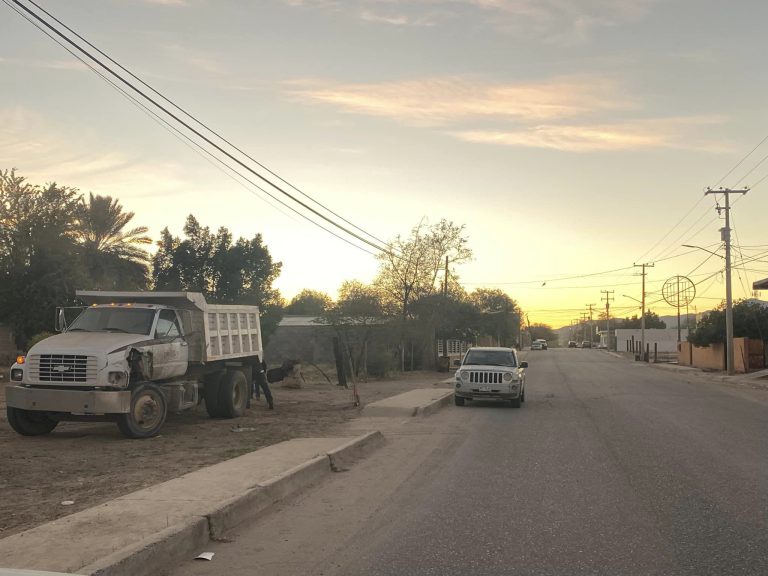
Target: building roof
760, 284
300, 321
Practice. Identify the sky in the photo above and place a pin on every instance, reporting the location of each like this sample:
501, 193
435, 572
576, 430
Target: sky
572, 139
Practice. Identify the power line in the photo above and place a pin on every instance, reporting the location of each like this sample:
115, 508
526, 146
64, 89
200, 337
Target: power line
195, 146
200, 123
699, 201
740, 162
194, 130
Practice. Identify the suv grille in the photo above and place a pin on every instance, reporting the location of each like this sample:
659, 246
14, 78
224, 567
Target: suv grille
478, 377
62, 368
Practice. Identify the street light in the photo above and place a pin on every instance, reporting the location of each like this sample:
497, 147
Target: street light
705, 250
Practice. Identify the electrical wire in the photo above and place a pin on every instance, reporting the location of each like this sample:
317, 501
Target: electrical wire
190, 143
195, 131
699, 201
200, 123
740, 162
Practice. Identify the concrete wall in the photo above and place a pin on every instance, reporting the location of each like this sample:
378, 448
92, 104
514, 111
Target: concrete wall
747, 355
310, 344
709, 357
664, 338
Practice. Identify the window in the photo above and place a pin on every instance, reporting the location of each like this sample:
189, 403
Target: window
167, 325
490, 358
114, 319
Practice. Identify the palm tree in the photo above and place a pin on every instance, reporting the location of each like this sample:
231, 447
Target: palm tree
115, 258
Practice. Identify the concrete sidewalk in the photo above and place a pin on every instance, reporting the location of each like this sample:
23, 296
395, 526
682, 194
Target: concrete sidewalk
419, 402
752, 379
146, 531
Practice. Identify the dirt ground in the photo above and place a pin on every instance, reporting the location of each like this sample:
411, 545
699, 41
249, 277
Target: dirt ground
90, 463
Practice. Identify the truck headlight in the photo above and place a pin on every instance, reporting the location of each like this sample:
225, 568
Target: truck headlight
507, 376
17, 374
464, 375
116, 378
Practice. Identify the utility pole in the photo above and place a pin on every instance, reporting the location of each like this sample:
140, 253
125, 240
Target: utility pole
725, 236
608, 297
445, 304
591, 331
642, 309
584, 317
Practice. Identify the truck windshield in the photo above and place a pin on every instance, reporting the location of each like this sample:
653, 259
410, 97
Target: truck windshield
490, 358
128, 320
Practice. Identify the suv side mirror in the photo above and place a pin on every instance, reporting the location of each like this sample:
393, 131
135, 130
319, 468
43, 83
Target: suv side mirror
524, 364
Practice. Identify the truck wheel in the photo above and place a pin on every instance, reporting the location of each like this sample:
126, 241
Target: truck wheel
233, 394
30, 422
147, 415
211, 390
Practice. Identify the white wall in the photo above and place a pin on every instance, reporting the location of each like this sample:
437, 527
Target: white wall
665, 338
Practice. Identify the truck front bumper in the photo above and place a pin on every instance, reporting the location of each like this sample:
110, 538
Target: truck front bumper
70, 401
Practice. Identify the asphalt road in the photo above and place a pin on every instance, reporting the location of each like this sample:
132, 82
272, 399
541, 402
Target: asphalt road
610, 468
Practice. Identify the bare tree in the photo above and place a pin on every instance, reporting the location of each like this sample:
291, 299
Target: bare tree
409, 270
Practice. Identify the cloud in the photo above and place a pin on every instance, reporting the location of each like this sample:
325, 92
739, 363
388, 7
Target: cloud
561, 21
576, 114
168, 2
49, 153
633, 135
442, 101
68, 64
395, 19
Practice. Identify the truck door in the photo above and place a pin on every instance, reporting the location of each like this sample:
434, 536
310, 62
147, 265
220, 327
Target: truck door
170, 350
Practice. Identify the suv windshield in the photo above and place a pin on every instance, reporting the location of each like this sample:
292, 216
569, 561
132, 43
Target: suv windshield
490, 358
128, 320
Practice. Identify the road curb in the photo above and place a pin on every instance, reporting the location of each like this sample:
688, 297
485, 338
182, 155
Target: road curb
342, 457
157, 552
436, 405
255, 501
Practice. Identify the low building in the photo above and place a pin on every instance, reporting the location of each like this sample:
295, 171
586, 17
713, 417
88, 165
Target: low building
302, 338
760, 284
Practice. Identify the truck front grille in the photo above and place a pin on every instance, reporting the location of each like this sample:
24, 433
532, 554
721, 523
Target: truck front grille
64, 368
485, 377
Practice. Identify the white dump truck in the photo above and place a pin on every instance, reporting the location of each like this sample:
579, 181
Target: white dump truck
131, 357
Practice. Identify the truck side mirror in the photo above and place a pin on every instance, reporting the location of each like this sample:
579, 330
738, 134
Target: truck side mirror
523, 364
61, 320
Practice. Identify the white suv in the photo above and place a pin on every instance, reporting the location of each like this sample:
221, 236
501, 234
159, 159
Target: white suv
490, 373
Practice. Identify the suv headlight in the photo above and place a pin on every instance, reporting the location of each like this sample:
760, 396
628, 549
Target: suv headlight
464, 375
507, 376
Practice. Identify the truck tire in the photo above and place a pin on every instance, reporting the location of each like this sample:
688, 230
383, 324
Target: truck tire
211, 390
147, 415
30, 422
233, 394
